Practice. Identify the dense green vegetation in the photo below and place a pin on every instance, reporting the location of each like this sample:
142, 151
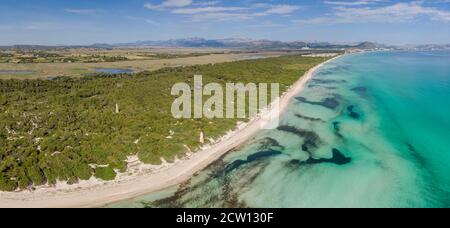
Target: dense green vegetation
6, 55
68, 129
56, 58
23, 57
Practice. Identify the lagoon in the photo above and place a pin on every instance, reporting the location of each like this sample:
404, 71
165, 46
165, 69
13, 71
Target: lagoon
15, 72
114, 71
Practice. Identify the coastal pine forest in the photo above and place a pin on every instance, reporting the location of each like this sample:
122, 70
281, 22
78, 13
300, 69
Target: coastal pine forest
70, 129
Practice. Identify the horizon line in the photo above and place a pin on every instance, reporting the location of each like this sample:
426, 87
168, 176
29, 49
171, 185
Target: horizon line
228, 38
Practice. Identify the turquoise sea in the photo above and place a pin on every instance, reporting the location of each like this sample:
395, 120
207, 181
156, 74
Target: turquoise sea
370, 130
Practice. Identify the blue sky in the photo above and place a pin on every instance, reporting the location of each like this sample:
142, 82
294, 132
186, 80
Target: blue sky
51, 22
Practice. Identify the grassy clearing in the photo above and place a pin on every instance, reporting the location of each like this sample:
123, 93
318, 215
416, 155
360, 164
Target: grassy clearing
78, 69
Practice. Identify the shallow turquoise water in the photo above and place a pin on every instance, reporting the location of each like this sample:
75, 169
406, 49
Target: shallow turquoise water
370, 130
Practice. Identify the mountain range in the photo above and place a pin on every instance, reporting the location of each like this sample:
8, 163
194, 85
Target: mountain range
248, 44
243, 43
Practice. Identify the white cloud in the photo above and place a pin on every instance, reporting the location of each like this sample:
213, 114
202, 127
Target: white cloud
439, 1
400, 12
84, 11
275, 9
221, 16
168, 4
282, 9
206, 10
212, 11
146, 20
352, 3
316, 21
151, 22
262, 5
397, 12
210, 3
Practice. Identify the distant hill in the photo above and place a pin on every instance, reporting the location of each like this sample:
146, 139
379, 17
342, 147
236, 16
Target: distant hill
367, 45
427, 47
247, 44
51, 47
240, 43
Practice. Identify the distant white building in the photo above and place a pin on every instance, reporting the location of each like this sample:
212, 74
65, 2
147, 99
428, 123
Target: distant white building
306, 47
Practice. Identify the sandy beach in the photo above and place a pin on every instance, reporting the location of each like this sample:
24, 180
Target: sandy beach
144, 179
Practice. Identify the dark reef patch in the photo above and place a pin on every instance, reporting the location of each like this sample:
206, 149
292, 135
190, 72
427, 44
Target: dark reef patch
324, 73
223, 192
337, 129
326, 87
295, 162
336, 126
411, 148
306, 147
361, 90
339, 68
307, 135
352, 112
171, 201
251, 158
312, 140
327, 81
309, 118
416, 155
338, 159
330, 102
267, 143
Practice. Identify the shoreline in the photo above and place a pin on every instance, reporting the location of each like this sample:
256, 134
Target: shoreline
94, 193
